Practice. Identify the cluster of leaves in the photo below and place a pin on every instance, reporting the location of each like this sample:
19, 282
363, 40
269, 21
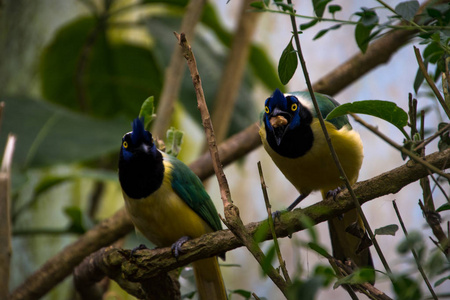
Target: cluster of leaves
431, 25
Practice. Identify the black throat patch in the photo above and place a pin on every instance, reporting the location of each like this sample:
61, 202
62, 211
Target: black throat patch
142, 174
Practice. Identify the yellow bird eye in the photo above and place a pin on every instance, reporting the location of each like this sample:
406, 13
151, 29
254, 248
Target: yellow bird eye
294, 107
267, 109
125, 144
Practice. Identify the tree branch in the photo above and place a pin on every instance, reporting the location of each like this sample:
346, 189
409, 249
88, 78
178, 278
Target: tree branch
148, 263
232, 218
175, 71
231, 78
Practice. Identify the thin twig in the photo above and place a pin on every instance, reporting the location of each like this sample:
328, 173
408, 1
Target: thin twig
232, 219
433, 220
416, 257
431, 138
330, 146
271, 226
400, 148
430, 82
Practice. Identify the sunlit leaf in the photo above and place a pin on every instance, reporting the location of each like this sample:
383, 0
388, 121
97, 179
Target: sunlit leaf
385, 110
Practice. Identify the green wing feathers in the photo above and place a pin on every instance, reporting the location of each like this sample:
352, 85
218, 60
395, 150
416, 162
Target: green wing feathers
189, 187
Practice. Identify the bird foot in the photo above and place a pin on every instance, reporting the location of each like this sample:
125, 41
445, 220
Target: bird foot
277, 214
334, 192
140, 247
176, 247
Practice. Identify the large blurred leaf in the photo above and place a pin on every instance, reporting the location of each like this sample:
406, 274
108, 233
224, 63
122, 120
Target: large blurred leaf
81, 66
47, 134
210, 63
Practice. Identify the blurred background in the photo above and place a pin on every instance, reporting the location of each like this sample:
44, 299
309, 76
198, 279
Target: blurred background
71, 88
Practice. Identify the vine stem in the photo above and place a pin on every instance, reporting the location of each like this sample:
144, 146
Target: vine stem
333, 152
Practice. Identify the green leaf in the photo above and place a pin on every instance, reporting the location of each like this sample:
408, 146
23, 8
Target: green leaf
418, 80
319, 249
408, 9
174, 141
80, 222
49, 135
285, 7
385, 110
326, 273
257, 4
441, 281
148, 111
308, 223
305, 290
332, 9
405, 288
319, 7
243, 293
305, 26
288, 63
267, 262
88, 73
387, 230
414, 241
443, 207
358, 276
323, 31
368, 20
261, 232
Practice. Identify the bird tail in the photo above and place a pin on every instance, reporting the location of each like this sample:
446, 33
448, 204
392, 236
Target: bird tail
209, 279
345, 245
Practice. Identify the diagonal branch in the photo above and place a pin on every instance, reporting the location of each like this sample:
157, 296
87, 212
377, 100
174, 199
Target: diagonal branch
232, 218
149, 263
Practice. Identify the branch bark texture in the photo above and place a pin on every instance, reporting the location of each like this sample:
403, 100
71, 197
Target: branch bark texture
149, 263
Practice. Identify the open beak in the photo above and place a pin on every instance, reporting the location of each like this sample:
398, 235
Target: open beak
279, 121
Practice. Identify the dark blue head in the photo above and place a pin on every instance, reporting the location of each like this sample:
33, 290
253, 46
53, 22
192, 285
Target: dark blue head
287, 124
141, 168
137, 142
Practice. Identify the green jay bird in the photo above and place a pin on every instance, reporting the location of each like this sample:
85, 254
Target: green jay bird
292, 136
168, 204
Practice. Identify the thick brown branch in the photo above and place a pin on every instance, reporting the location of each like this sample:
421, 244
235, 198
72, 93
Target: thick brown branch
149, 263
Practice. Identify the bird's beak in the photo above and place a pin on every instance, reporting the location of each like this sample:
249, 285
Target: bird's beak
144, 148
279, 121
